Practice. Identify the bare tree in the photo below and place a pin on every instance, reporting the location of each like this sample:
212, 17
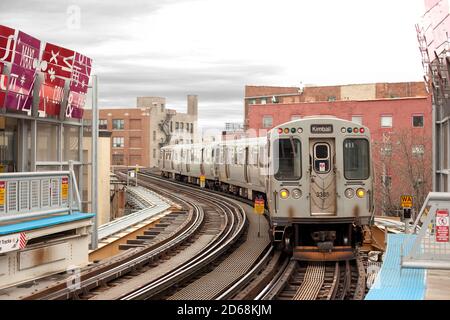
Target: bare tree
404, 170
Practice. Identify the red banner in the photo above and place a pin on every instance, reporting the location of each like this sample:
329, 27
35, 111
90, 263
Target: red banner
58, 65
51, 96
6, 43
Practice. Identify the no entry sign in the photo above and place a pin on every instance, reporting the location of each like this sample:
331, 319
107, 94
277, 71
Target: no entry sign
442, 226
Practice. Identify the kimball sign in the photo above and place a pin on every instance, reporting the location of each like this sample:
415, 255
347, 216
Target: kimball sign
62, 75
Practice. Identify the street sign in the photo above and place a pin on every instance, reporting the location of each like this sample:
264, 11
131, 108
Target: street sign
407, 201
259, 206
13, 242
442, 226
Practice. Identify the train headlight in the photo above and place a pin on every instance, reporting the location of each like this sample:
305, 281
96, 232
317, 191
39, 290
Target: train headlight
349, 193
361, 193
296, 193
284, 194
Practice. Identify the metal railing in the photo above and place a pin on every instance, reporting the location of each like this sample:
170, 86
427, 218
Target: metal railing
429, 247
32, 194
150, 203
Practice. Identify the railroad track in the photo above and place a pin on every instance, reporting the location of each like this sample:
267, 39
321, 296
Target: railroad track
337, 280
220, 220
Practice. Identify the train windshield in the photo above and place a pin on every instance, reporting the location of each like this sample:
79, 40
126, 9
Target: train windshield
356, 159
288, 153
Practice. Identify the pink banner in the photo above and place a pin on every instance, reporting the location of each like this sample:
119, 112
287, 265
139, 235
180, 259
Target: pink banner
6, 43
75, 105
58, 65
51, 96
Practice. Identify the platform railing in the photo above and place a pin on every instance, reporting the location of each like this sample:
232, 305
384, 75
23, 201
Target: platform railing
430, 247
32, 194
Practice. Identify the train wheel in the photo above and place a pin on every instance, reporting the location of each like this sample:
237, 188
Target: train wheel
288, 242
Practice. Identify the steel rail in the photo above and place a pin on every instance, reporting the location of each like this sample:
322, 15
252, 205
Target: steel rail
96, 277
204, 258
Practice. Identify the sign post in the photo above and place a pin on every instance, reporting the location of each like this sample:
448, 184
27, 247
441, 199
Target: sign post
259, 209
407, 204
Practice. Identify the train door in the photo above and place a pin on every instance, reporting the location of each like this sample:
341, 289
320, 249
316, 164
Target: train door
202, 163
228, 158
246, 165
189, 154
323, 177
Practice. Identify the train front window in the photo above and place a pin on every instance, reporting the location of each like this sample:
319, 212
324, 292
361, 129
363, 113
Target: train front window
356, 159
288, 153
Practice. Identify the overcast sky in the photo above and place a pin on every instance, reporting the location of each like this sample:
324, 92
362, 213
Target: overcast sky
213, 48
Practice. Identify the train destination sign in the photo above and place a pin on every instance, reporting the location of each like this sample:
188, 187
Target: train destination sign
321, 128
25, 59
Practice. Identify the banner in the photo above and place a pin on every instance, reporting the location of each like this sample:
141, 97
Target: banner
58, 65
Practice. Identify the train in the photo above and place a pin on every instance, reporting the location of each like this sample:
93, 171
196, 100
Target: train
315, 176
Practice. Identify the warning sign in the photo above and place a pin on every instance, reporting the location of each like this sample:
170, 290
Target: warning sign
407, 201
64, 188
13, 242
202, 178
442, 226
2, 192
259, 206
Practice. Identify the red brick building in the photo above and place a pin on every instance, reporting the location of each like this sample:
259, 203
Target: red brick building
399, 116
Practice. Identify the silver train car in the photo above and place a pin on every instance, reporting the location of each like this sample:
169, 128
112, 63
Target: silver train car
315, 175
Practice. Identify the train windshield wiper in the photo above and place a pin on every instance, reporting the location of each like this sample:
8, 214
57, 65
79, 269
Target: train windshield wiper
293, 146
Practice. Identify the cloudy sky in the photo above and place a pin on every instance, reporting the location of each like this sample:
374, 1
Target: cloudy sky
213, 48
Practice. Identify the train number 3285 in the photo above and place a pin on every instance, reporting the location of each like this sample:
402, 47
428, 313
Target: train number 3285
322, 195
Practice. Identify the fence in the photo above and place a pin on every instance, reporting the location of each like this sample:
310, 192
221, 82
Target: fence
431, 244
30, 194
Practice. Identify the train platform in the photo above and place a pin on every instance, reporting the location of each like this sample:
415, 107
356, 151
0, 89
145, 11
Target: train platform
396, 283
43, 223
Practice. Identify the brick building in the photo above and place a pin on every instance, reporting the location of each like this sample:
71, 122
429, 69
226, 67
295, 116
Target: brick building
399, 116
139, 133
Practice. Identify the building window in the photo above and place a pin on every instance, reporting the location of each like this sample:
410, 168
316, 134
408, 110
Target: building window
418, 150
275, 99
171, 126
192, 128
135, 142
102, 124
417, 121
135, 124
295, 117
263, 101
357, 119
117, 159
267, 122
252, 101
331, 98
177, 125
154, 135
386, 150
118, 124
118, 142
182, 125
154, 153
386, 121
